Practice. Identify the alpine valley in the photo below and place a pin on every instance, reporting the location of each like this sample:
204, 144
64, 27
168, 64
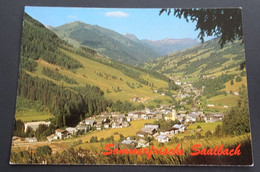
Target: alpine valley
81, 87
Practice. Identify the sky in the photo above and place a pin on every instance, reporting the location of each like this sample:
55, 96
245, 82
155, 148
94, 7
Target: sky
145, 23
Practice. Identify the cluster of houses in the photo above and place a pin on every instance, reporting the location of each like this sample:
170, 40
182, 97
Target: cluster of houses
152, 131
108, 120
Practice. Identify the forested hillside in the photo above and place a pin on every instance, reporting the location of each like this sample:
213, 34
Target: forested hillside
73, 83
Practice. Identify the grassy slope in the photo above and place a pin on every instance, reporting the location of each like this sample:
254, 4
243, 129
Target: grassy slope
88, 75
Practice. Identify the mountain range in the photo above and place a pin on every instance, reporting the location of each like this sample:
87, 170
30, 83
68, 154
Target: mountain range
106, 42
165, 46
124, 48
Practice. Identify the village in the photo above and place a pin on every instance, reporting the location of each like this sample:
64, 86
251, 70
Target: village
150, 131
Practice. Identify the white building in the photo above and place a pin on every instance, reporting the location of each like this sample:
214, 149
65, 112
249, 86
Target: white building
162, 139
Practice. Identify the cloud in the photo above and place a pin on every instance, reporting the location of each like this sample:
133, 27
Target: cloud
119, 14
72, 17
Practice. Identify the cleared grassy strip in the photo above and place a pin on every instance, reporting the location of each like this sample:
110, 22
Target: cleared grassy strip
32, 115
221, 100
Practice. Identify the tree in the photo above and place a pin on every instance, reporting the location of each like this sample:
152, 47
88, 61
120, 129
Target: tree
223, 23
232, 82
217, 132
208, 134
238, 79
43, 152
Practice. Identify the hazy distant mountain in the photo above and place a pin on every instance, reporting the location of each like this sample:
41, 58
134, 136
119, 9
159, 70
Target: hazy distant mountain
106, 42
167, 46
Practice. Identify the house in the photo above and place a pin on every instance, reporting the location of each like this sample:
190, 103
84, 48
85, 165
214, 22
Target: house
210, 118
159, 116
141, 143
71, 131
179, 128
127, 143
35, 125
167, 132
83, 127
31, 140
128, 119
99, 126
162, 139
144, 116
117, 125
90, 122
192, 117
125, 124
210, 105
142, 134
149, 130
149, 125
178, 82
106, 125
61, 133
52, 137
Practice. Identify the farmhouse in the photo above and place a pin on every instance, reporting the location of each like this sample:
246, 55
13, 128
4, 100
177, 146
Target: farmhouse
71, 130
83, 127
162, 139
90, 122
52, 137
154, 126
179, 128
141, 143
61, 133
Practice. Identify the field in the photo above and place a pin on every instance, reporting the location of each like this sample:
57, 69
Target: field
32, 115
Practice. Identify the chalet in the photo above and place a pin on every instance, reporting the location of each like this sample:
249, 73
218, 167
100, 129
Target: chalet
179, 128
83, 127
52, 137
61, 133
180, 118
142, 134
127, 143
71, 131
106, 125
90, 122
162, 139
159, 116
236, 93
99, 126
35, 125
149, 130
210, 118
125, 124
144, 116
141, 143
210, 105
167, 132
154, 126
192, 117
178, 82
117, 125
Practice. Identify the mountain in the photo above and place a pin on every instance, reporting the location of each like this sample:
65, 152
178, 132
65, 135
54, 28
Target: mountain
106, 42
167, 46
73, 83
204, 59
209, 68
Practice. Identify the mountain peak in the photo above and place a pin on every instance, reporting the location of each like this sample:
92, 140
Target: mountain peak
131, 37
